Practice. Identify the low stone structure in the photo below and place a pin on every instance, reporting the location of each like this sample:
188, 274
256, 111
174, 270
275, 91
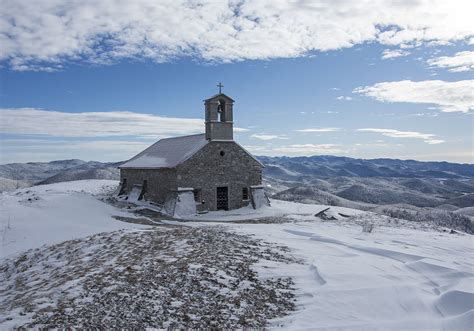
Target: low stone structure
220, 172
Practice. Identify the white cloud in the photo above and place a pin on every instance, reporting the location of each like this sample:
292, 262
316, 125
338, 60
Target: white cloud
426, 137
256, 149
238, 130
319, 130
308, 149
434, 141
43, 35
263, 136
461, 61
296, 149
448, 96
94, 124
393, 53
93, 135
38, 150
341, 97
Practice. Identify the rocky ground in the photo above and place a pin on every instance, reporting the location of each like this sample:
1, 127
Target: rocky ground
164, 277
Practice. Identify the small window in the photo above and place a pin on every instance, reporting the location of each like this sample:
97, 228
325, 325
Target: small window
222, 153
197, 195
245, 193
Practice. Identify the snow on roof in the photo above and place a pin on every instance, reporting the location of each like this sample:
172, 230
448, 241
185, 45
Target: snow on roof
167, 153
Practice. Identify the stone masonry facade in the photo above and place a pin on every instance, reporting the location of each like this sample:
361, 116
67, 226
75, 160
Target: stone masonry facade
220, 164
159, 182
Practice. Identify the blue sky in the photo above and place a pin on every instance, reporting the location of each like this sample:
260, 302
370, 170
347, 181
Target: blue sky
384, 91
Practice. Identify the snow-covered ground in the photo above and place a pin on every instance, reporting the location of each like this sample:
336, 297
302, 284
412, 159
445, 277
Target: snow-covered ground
396, 277
399, 279
279, 208
49, 214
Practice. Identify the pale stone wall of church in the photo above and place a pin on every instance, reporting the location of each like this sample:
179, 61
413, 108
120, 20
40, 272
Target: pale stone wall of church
215, 128
159, 182
219, 130
208, 169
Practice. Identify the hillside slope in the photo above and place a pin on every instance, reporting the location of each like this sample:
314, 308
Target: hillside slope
326, 166
109, 173
377, 195
34, 173
304, 194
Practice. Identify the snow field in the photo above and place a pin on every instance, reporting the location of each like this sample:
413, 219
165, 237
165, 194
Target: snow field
278, 208
396, 279
49, 214
402, 276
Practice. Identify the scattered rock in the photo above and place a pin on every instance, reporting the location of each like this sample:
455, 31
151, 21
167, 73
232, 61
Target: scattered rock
326, 215
165, 277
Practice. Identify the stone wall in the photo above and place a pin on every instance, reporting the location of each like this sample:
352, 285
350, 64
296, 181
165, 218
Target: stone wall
208, 169
215, 127
219, 130
159, 182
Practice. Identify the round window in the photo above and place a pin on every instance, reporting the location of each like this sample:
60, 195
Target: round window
222, 153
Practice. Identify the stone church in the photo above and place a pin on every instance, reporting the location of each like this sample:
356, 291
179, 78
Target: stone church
210, 168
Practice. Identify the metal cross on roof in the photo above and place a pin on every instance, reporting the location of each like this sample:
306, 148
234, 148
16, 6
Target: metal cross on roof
220, 86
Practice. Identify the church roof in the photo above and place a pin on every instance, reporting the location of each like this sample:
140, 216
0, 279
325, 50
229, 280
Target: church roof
167, 153
170, 152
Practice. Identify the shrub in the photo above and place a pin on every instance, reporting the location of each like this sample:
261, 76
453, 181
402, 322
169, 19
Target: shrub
437, 217
367, 227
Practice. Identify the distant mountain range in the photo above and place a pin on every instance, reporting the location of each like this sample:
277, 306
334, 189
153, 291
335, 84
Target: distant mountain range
301, 168
343, 181
333, 180
15, 175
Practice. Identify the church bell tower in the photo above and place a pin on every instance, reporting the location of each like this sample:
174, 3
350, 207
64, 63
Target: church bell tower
219, 116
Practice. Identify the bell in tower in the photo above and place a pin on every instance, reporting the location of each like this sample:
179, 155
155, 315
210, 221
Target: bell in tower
219, 116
